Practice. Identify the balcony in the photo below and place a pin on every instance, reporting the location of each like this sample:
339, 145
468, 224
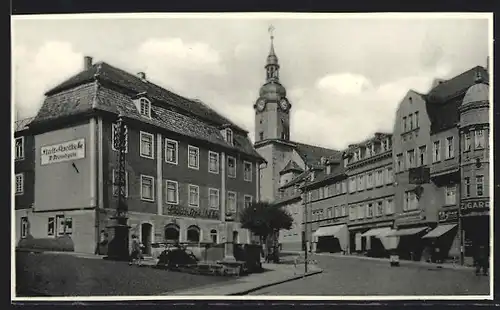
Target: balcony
445, 171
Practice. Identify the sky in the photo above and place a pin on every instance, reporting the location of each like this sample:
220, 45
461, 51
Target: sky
344, 75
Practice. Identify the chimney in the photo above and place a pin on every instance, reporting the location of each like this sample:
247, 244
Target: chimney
141, 75
87, 62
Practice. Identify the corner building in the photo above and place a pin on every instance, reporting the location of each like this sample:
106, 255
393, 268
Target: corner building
189, 171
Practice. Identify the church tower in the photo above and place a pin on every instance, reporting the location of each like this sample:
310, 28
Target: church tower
272, 108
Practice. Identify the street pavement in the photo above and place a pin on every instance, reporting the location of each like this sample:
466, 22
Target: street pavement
350, 276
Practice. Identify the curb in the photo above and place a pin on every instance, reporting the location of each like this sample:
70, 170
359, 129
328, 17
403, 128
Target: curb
245, 292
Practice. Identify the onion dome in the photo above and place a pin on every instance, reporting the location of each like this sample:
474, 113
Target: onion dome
479, 92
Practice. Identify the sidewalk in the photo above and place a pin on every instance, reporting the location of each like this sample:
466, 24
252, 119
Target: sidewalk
276, 274
401, 262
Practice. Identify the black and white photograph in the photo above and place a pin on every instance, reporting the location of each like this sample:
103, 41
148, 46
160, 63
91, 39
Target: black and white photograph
276, 156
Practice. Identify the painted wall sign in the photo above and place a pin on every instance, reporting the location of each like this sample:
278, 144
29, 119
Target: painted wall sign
473, 206
449, 215
192, 212
66, 151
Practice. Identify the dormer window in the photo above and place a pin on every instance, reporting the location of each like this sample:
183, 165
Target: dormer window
328, 169
369, 150
145, 107
229, 136
373, 149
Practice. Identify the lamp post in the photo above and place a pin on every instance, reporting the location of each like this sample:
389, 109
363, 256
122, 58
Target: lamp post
118, 246
303, 191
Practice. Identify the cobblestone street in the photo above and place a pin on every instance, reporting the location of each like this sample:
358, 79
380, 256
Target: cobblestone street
358, 277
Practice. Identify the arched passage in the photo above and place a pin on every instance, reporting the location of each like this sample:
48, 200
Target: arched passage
172, 232
193, 233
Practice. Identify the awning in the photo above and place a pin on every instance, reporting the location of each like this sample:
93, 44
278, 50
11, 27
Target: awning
328, 230
375, 232
407, 231
439, 231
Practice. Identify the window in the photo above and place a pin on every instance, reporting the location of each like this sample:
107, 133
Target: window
384, 145
147, 142
248, 171
193, 157
380, 209
329, 213
422, 155
416, 119
261, 135
213, 236
352, 213
19, 184
450, 198
410, 158
145, 106
64, 225
248, 200
231, 167
361, 211
171, 151
352, 184
194, 195
213, 162
336, 211
369, 180
147, 188
467, 144
343, 211
369, 210
410, 201
231, 202
399, 163
404, 124
467, 186
436, 156
379, 180
410, 118
344, 187
229, 136
450, 151
479, 185
478, 139
19, 148
116, 185
361, 181
389, 176
24, 227
172, 192
116, 145
321, 193
389, 207
51, 226
369, 150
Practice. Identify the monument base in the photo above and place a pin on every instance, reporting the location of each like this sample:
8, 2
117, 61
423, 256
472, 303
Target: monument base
118, 248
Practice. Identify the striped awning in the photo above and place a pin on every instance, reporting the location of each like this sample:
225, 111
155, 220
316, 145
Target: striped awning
375, 232
406, 232
440, 230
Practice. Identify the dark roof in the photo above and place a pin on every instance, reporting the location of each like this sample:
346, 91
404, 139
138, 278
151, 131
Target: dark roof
301, 177
105, 72
322, 177
443, 101
94, 96
22, 124
311, 154
290, 167
456, 86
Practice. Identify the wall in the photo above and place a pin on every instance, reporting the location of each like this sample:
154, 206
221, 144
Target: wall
291, 240
27, 167
59, 185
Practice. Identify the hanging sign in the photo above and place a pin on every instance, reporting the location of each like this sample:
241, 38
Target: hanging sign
66, 151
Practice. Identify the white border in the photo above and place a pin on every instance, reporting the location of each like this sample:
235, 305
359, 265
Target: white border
275, 16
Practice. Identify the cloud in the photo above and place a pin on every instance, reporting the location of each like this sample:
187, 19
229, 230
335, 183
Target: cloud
344, 83
38, 70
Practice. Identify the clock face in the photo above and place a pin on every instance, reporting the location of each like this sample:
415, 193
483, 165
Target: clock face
284, 104
261, 104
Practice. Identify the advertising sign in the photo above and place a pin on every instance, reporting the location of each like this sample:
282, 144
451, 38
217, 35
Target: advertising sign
474, 206
66, 151
192, 212
448, 215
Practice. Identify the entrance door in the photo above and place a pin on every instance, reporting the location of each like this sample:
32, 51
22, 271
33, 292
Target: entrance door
146, 231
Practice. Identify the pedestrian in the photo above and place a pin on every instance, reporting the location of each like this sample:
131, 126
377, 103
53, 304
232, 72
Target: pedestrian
136, 255
481, 260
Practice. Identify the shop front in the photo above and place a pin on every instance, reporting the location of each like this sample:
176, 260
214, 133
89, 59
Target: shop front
475, 217
443, 242
331, 239
410, 228
371, 238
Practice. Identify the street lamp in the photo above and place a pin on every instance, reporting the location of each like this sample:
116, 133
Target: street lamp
303, 192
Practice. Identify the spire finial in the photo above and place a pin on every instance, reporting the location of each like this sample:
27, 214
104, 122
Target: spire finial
479, 77
271, 31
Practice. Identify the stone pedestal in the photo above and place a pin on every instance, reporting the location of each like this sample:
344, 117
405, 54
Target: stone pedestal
227, 228
118, 248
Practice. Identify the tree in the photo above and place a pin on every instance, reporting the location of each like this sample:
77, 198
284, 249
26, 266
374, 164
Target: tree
265, 220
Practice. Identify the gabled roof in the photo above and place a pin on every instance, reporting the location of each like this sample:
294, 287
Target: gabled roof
94, 96
22, 124
311, 154
291, 166
443, 102
132, 83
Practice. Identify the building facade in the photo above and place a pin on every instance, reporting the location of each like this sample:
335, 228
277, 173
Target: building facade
370, 195
189, 171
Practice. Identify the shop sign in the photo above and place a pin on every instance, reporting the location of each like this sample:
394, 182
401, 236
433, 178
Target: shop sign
444, 216
66, 151
472, 206
412, 216
192, 212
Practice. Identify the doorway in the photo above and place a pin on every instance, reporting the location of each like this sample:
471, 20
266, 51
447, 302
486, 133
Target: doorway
236, 237
146, 232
